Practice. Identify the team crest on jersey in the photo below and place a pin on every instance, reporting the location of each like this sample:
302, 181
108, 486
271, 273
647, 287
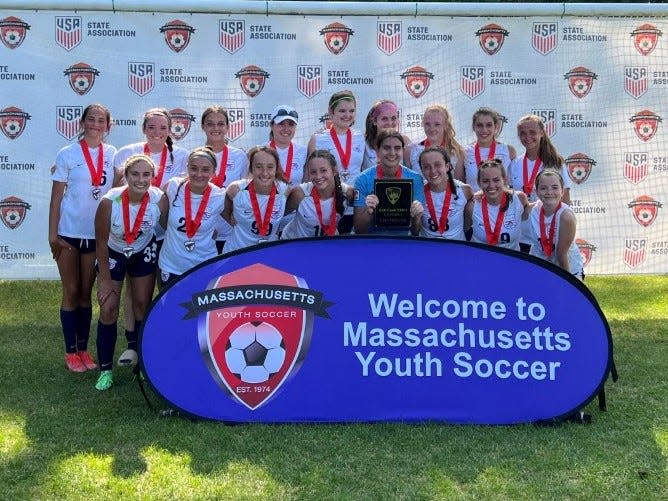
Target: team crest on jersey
636, 166
636, 80
579, 167
549, 118
472, 82
491, 38
177, 34
255, 329
309, 79
645, 209
252, 79
645, 38
13, 211
13, 121
13, 31
416, 80
68, 31
81, 77
544, 37
232, 34
141, 77
67, 121
326, 121
388, 36
580, 81
237, 123
586, 250
635, 251
336, 36
645, 124
181, 121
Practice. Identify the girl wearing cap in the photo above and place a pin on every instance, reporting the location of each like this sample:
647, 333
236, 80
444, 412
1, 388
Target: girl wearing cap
382, 115
283, 125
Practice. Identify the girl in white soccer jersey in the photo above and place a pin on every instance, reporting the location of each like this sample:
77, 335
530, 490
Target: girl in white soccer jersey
553, 225
318, 203
194, 204
498, 211
446, 198
486, 124
83, 173
540, 154
255, 206
283, 125
125, 224
232, 163
345, 143
437, 125
382, 115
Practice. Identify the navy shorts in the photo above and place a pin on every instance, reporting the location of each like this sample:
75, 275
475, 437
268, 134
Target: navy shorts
83, 245
140, 264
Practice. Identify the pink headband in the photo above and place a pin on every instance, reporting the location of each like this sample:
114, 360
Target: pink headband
385, 107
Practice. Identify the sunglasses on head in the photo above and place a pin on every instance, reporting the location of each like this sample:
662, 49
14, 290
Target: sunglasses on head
493, 162
286, 113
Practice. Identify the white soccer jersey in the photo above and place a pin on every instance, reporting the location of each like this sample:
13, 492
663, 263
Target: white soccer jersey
149, 221
323, 141
305, 222
173, 168
417, 148
510, 227
454, 228
299, 155
81, 198
471, 166
236, 168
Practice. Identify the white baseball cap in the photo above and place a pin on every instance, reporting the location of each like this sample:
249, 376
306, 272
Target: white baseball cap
284, 112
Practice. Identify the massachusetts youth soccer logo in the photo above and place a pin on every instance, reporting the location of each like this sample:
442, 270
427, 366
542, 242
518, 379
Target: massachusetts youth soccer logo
177, 34
645, 209
68, 31
472, 82
491, 38
336, 36
13, 121
388, 36
416, 80
255, 329
544, 37
579, 167
81, 77
181, 121
237, 123
13, 31
232, 34
580, 81
586, 250
141, 77
636, 80
645, 38
67, 121
645, 124
13, 212
252, 79
309, 79
635, 251
636, 166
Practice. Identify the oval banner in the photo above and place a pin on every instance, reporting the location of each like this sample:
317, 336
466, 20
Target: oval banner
376, 329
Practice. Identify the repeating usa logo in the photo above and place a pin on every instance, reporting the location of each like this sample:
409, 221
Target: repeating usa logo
549, 118
645, 38
181, 121
81, 77
388, 36
232, 34
586, 250
13, 121
309, 79
580, 81
67, 121
645, 124
177, 34
252, 79
544, 37
141, 77
68, 31
13, 31
416, 80
13, 211
635, 251
645, 209
491, 38
472, 82
336, 36
636, 166
636, 80
579, 166
237, 123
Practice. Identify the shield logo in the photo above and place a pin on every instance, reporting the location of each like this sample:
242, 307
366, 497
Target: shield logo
68, 31
237, 123
472, 82
417, 81
634, 251
177, 34
67, 121
645, 209
549, 118
141, 77
580, 81
251, 348
393, 194
579, 167
13, 31
636, 80
252, 79
636, 166
586, 249
232, 34
645, 124
81, 77
13, 121
181, 121
13, 212
309, 80
491, 38
336, 36
503, 120
645, 38
326, 121
544, 37
388, 36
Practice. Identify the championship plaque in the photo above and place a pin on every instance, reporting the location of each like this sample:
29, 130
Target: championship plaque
394, 207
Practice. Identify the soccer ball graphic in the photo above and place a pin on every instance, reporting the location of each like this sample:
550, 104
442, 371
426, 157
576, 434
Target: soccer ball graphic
254, 352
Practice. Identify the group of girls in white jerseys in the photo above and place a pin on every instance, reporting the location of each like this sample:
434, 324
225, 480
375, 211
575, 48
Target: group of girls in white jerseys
172, 209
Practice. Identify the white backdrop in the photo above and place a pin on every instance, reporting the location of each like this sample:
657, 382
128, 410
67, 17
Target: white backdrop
601, 84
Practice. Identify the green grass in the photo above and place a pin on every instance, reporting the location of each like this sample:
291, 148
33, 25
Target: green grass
61, 439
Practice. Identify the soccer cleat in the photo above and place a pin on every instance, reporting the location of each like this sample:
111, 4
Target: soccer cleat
128, 358
105, 381
74, 362
87, 360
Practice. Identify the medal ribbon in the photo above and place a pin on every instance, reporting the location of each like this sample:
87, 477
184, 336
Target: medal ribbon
193, 226
344, 156
131, 235
545, 240
95, 174
529, 181
219, 179
379, 172
490, 155
444, 210
291, 153
330, 228
157, 180
492, 236
262, 222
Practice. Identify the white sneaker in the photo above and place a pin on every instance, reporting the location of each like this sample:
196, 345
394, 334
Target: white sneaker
128, 358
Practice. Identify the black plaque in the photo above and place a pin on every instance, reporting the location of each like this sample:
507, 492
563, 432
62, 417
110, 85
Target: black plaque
394, 207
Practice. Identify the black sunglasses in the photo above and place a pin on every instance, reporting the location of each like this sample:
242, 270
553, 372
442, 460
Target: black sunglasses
285, 113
